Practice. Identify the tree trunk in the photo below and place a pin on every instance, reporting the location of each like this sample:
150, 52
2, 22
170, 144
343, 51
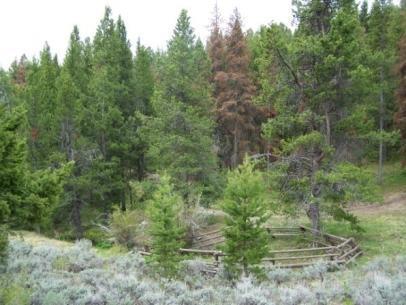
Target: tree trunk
141, 167
76, 217
234, 158
328, 126
314, 214
123, 205
245, 268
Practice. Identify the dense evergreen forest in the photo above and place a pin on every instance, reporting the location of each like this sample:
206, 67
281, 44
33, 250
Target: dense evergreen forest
116, 136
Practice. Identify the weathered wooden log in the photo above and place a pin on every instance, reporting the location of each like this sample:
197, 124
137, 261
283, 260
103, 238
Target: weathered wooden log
299, 265
324, 234
297, 257
208, 233
317, 241
211, 243
349, 252
353, 258
202, 252
349, 240
202, 240
301, 250
285, 234
284, 229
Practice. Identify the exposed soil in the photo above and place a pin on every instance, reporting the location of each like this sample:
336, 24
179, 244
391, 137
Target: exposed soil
394, 202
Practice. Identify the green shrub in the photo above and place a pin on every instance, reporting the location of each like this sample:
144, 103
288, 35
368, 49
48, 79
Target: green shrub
98, 237
14, 294
65, 234
141, 192
128, 228
61, 263
3, 244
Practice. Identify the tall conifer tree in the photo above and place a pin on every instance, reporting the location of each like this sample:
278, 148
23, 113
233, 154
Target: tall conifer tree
181, 133
400, 117
143, 79
72, 88
238, 119
383, 35
40, 103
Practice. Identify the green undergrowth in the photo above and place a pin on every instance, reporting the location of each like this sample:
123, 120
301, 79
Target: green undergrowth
111, 251
394, 177
383, 234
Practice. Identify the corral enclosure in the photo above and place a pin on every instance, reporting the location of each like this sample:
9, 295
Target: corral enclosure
293, 247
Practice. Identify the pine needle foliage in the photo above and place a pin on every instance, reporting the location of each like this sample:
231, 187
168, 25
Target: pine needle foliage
165, 229
246, 239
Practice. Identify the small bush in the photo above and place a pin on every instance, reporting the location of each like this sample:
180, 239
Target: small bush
45, 275
98, 237
129, 228
400, 263
14, 293
130, 263
315, 271
3, 245
380, 289
295, 296
249, 292
194, 267
61, 263
141, 191
378, 264
280, 275
82, 256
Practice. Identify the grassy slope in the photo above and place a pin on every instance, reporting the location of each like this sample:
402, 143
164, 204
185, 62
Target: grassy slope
384, 223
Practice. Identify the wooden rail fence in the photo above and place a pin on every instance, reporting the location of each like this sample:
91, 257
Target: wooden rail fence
332, 249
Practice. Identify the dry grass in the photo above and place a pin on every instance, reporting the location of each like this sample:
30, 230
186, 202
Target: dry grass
36, 239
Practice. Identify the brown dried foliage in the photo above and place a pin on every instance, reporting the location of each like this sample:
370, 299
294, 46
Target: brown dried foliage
238, 119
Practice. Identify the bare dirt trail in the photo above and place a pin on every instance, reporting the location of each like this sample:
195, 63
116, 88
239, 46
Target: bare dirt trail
393, 203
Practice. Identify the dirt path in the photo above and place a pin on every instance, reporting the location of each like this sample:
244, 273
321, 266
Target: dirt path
393, 203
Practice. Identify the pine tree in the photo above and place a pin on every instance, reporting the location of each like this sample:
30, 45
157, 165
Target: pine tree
400, 116
186, 68
18, 71
111, 108
26, 198
41, 103
180, 135
165, 228
246, 238
12, 166
323, 106
238, 119
6, 90
216, 48
75, 61
143, 79
363, 14
384, 32
72, 87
